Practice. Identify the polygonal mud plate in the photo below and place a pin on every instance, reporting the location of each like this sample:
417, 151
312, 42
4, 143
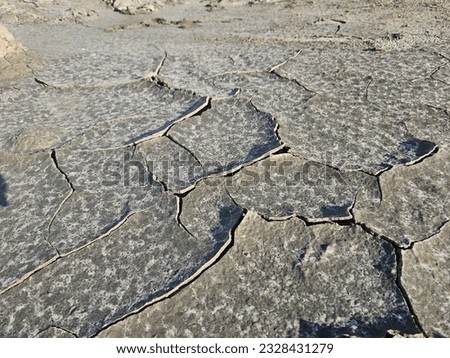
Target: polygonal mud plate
352, 135
326, 70
269, 282
414, 201
31, 190
109, 186
425, 278
46, 117
284, 185
197, 70
145, 259
91, 56
229, 135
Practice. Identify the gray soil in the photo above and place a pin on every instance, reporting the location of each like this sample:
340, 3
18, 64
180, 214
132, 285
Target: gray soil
196, 168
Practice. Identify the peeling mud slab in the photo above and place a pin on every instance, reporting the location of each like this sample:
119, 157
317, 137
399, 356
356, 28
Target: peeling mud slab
354, 135
414, 202
151, 253
227, 136
46, 117
109, 186
425, 279
284, 185
400, 81
31, 190
147, 257
269, 282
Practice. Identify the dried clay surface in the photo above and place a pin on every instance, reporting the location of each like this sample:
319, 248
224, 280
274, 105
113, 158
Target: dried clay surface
232, 168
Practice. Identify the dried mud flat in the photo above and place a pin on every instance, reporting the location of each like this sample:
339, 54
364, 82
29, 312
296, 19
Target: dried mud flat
224, 168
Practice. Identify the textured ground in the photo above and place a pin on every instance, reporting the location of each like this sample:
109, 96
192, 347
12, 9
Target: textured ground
224, 168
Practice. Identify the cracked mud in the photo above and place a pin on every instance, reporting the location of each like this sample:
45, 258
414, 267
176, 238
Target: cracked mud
224, 168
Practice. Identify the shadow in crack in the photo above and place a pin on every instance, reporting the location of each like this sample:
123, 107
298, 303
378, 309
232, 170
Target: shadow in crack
416, 147
335, 211
387, 262
408, 150
229, 217
378, 327
3, 190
